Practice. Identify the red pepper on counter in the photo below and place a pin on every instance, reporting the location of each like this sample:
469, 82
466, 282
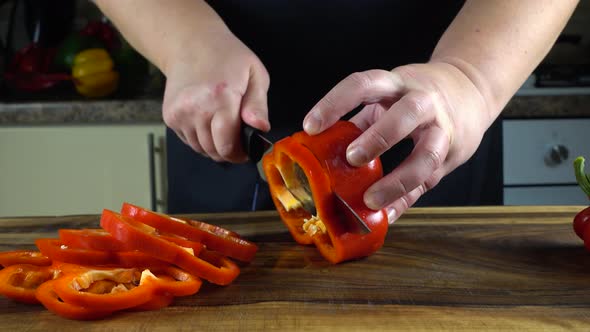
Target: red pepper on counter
582, 219
322, 158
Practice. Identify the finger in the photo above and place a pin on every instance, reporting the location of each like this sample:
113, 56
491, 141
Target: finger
363, 87
254, 108
193, 141
427, 157
181, 136
400, 206
203, 129
369, 115
412, 110
225, 127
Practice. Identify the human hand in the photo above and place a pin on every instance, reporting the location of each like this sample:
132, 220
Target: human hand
211, 88
435, 104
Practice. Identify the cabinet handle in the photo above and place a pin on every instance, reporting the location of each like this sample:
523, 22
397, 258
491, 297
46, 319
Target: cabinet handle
556, 155
153, 149
152, 170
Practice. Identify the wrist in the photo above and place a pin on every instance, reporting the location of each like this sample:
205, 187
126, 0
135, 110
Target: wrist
193, 46
491, 100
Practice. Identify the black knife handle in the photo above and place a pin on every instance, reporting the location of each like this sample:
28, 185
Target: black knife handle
252, 142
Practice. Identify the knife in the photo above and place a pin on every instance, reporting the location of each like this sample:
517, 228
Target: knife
257, 145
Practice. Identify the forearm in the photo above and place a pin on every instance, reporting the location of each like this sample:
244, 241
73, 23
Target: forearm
497, 44
162, 30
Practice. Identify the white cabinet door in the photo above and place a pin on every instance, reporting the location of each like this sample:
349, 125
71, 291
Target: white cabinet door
76, 169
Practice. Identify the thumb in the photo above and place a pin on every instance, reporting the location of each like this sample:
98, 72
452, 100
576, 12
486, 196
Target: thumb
254, 108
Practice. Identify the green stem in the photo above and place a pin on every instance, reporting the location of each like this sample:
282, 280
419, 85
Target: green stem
581, 177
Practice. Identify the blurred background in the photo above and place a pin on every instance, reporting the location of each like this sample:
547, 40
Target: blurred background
81, 126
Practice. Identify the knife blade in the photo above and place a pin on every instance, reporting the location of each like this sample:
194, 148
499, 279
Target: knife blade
257, 145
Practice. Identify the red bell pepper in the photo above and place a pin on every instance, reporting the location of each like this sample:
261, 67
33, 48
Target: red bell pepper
322, 158
216, 269
32, 257
29, 70
582, 219
213, 237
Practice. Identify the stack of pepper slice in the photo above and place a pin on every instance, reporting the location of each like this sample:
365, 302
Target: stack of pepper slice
139, 260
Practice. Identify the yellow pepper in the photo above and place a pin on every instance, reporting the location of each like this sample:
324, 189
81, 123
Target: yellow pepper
93, 73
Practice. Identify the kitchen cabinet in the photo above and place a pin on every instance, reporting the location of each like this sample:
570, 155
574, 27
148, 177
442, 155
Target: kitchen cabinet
538, 159
80, 169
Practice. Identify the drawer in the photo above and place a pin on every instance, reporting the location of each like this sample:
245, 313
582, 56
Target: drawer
542, 151
554, 195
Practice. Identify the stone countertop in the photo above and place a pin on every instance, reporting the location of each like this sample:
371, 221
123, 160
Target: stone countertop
555, 106
150, 110
81, 112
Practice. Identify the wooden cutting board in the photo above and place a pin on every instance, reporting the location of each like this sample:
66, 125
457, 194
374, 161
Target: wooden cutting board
485, 268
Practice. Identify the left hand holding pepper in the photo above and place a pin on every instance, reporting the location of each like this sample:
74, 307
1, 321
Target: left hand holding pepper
435, 104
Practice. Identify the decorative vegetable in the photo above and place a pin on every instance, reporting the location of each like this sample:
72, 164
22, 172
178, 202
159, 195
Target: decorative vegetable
581, 220
93, 73
315, 167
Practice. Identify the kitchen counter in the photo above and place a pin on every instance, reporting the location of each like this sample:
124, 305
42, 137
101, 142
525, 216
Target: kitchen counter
81, 112
556, 106
480, 268
150, 110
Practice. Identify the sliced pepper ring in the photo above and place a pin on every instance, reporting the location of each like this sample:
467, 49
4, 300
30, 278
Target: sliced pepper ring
91, 238
174, 281
20, 281
32, 257
105, 289
60, 252
145, 238
215, 238
50, 300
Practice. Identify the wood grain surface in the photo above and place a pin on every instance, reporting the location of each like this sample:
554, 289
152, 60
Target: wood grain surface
485, 268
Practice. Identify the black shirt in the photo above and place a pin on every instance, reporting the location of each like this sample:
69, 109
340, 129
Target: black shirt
310, 45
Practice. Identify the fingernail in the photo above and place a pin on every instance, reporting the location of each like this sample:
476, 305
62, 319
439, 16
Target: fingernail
312, 123
356, 155
375, 200
391, 214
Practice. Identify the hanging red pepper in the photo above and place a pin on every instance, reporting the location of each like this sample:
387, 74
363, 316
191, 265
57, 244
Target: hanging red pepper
30, 71
322, 158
